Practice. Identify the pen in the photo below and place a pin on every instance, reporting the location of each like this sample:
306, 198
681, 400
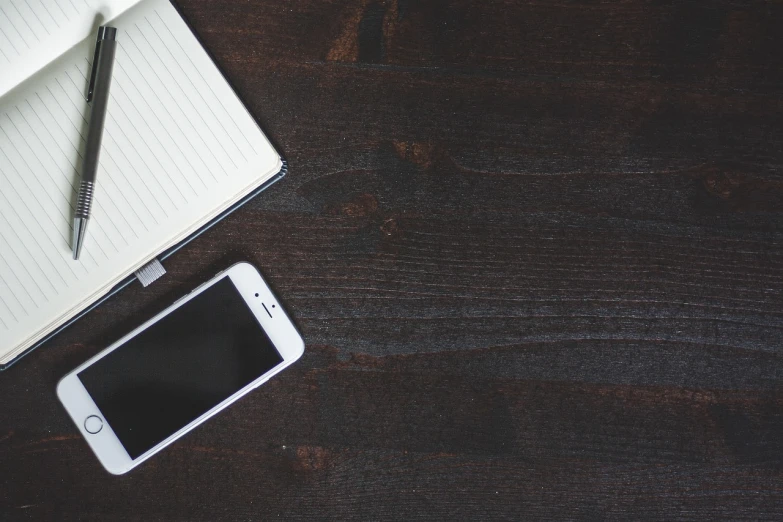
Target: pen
98, 96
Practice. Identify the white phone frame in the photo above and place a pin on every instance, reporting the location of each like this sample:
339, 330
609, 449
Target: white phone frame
277, 325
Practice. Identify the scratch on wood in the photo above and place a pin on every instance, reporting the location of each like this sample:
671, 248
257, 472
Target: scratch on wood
56, 438
419, 153
346, 47
362, 205
313, 458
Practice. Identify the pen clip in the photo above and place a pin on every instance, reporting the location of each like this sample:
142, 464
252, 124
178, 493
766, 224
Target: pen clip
95, 60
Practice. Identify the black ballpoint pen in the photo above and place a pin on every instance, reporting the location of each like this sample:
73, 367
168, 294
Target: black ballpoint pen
98, 96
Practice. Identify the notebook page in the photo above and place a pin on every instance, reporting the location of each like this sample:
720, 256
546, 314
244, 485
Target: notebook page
35, 32
178, 149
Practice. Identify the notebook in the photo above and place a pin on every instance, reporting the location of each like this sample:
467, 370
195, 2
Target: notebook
179, 151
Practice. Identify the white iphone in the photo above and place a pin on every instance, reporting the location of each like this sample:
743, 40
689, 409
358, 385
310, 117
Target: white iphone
208, 349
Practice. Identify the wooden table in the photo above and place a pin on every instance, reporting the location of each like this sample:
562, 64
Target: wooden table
536, 252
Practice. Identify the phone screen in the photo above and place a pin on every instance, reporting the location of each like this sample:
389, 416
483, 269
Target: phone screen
179, 368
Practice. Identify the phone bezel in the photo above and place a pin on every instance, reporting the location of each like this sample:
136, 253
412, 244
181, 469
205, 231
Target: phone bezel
280, 329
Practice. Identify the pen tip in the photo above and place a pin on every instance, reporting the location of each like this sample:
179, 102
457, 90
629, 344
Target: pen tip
79, 230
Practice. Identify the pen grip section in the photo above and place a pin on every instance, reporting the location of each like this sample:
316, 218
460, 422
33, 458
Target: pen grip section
84, 201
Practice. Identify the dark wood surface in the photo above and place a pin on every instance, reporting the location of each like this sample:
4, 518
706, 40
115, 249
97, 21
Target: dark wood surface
535, 250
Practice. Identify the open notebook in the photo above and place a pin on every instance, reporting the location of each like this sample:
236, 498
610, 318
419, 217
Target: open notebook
178, 150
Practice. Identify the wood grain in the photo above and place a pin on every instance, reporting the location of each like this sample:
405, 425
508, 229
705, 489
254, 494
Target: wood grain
536, 252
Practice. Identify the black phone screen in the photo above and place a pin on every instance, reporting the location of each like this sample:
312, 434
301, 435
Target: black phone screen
179, 368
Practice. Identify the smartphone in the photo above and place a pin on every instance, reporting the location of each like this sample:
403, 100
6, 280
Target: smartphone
172, 373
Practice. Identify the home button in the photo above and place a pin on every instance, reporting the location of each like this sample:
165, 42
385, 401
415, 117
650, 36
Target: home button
93, 424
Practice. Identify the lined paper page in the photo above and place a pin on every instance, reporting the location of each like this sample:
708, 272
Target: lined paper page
178, 149
35, 32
